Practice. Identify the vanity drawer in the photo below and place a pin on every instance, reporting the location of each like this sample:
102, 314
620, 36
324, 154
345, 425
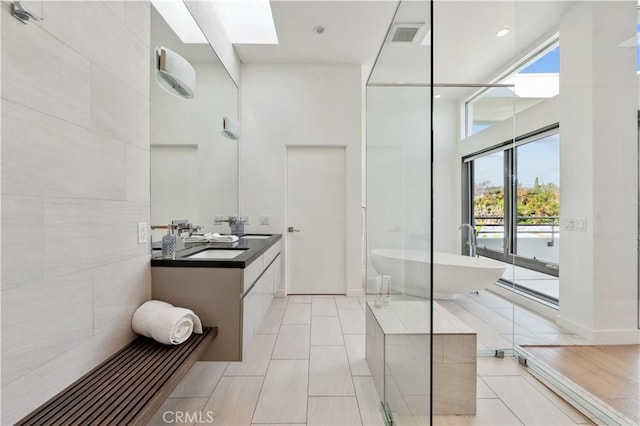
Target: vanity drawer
251, 273
271, 253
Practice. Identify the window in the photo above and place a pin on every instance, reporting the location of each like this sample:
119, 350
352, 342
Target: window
537, 199
533, 80
488, 201
514, 203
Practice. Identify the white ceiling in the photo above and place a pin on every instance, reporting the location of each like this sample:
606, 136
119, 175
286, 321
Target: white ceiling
466, 47
354, 31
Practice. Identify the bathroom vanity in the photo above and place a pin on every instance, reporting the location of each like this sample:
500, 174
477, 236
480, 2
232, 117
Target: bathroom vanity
227, 285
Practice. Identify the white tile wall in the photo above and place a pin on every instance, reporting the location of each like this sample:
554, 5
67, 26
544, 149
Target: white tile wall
138, 174
41, 321
59, 159
111, 46
117, 7
136, 19
117, 110
81, 233
117, 293
45, 74
22, 224
75, 182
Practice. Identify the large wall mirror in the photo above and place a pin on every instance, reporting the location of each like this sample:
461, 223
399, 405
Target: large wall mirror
194, 168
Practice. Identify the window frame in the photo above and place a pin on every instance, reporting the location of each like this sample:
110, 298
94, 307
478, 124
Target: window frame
510, 201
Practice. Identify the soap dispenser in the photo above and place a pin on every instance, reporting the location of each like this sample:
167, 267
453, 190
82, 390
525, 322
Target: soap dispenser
169, 242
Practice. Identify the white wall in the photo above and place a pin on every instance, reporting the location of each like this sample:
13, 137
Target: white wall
75, 181
596, 109
598, 104
299, 105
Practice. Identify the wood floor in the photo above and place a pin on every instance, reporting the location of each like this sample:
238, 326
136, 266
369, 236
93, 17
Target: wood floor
610, 373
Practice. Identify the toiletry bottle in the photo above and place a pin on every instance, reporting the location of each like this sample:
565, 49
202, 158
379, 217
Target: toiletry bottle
386, 283
169, 242
378, 300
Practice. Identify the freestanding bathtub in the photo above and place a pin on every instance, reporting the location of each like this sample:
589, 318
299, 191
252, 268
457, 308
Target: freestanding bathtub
452, 273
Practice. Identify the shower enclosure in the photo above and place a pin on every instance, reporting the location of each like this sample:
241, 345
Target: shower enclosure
423, 336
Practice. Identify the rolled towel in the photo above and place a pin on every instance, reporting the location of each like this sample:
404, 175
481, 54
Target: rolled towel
165, 323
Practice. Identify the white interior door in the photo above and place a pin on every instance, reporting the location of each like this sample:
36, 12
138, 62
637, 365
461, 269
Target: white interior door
316, 220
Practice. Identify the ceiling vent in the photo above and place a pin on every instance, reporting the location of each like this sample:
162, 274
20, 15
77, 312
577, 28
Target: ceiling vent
406, 32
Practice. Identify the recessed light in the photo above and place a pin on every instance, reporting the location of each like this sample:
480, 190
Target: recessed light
437, 96
318, 29
503, 32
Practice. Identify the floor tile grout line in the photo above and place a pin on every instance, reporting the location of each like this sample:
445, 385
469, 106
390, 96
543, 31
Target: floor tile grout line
264, 378
309, 370
355, 392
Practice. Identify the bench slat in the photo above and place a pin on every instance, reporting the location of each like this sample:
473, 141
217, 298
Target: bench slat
90, 388
167, 382
128, 388
80, 394
108, 398
144, 380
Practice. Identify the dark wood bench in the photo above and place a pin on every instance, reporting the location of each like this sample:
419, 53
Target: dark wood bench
126, 389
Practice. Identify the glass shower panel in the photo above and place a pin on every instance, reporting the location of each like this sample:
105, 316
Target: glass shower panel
398, 242
398, 218
473, 176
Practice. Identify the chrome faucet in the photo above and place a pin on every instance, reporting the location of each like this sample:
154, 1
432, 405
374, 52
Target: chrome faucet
471, 239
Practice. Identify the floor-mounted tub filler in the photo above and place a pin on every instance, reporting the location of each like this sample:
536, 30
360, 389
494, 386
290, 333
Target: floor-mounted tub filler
452, 273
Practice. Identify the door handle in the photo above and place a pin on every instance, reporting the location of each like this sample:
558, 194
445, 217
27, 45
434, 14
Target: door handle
291, 229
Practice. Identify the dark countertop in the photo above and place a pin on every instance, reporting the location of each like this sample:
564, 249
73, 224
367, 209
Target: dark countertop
253, 248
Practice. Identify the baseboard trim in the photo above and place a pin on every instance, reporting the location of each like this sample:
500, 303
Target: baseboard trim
601, 337
355, 292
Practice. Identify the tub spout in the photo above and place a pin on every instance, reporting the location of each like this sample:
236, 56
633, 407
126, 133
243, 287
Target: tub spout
471, 239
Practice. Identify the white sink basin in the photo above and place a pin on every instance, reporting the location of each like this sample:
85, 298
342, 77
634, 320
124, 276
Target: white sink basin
256, 237
216, 254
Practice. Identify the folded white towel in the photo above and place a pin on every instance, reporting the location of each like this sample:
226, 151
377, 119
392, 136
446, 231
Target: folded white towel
211, 238
165, 323
224, 238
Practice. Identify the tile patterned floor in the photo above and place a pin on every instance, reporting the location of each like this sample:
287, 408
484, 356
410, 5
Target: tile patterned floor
499, 323
307, 366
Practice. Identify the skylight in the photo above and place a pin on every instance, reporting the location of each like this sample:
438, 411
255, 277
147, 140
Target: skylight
178, 17
247, 21
535, 79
